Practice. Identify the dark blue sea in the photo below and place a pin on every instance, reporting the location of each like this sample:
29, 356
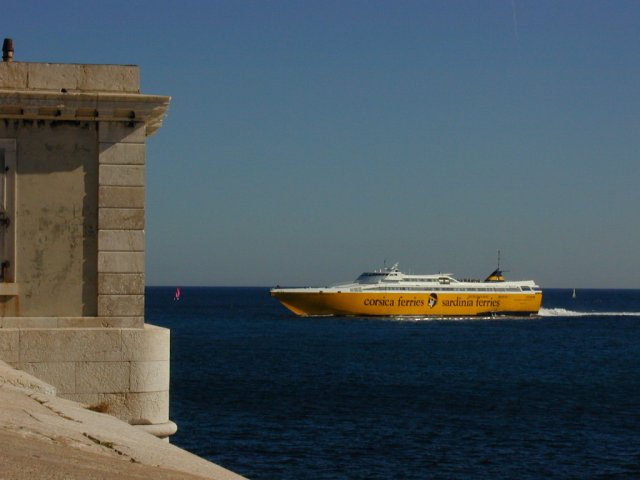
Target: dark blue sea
272, 396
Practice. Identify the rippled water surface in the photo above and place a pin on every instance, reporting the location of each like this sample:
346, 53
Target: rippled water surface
272, 396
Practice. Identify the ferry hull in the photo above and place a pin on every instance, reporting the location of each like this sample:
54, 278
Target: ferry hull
428, 304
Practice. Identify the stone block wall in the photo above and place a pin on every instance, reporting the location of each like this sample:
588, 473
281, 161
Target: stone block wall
124, 370
70, 77
54, 215
121, 221
72, 302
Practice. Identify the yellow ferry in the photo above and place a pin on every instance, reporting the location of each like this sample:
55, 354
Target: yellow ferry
389, 292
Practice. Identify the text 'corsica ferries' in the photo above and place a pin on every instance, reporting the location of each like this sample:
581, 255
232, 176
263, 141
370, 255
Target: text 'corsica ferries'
389, 292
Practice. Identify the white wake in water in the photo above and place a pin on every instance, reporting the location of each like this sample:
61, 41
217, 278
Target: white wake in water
562, 312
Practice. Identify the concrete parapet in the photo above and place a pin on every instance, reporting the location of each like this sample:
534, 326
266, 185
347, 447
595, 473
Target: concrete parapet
10, 345
149, 376
138, 408
15, 378
150, 343
148, 408
28, 322
110, 377
14, 75
70, 77
70, 344
7, 324
160, 430
60, 374
45, 436
126, 370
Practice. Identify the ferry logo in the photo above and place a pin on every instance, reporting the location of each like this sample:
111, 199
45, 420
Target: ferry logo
433, 300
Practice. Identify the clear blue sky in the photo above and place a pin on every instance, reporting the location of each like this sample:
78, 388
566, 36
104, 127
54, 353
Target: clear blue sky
308, 141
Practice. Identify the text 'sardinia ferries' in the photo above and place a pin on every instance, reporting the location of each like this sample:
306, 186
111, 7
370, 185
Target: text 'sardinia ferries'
389, 292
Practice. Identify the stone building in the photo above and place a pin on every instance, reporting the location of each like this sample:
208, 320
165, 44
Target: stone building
72, 213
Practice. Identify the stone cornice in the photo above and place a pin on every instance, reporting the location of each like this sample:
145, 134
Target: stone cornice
80, 106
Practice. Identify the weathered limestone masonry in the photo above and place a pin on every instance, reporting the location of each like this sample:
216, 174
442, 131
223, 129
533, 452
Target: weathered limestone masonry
72, 184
